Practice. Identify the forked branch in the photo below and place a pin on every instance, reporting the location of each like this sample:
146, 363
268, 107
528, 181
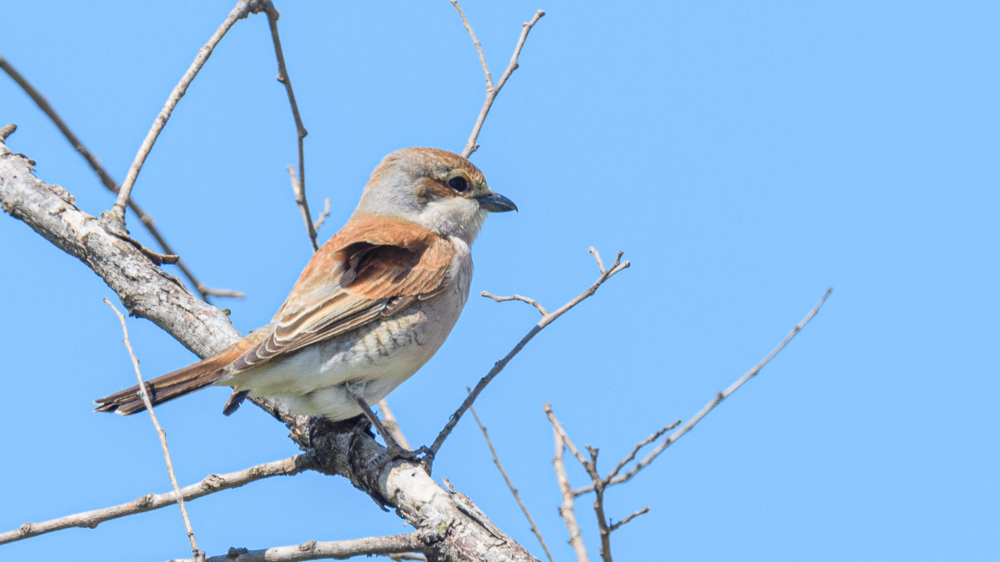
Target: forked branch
499, 366
242, 9
491, 89
109, 183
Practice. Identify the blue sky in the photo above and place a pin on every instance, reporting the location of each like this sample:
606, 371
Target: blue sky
744, 156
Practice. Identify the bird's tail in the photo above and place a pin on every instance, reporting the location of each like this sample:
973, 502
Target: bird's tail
167, 387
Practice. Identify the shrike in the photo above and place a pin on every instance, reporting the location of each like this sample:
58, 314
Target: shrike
372, 305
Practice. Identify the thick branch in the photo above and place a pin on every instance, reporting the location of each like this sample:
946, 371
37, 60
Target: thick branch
150, 293
109, 183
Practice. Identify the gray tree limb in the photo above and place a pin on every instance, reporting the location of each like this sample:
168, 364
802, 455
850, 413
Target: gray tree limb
103, 245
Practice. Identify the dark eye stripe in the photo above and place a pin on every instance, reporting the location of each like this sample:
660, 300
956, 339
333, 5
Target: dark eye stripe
458, 183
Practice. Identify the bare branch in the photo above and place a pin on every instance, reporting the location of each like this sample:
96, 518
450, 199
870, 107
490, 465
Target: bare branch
510, 485
714, 402
149, 292
616, 526
639, 446
315, 550
242, 9
213, 292
491, 90
301, 132
391, 425
563, 435
599, 484
9, 128
300, 200
475, 41
568, 498
499, 366
198, 554
209, 485
109, 183
532, 302
318, 223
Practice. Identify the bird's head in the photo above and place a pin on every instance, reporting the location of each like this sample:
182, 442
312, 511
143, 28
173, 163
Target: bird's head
433, 188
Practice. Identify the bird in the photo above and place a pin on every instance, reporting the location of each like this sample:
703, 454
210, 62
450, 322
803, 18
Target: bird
373, 304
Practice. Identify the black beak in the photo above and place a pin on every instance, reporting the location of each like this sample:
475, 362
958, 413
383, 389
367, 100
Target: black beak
496, 203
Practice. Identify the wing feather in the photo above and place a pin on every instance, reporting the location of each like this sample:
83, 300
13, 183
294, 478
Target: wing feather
372, 269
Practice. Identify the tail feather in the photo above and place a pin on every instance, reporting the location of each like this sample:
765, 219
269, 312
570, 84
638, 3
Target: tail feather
167, 387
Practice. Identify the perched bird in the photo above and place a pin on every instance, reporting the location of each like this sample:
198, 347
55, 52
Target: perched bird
372, 305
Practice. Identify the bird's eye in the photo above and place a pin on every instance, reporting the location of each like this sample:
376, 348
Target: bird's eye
458, 183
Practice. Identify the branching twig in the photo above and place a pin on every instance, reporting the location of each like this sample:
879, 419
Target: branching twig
242, 9
639, 446
568, 499
532, 302
491, 90
712, 403
318, 223
510, 485
315, 550
301, 132
617, 525
198, 554
545, 321
109, 183
209, 485
591, 467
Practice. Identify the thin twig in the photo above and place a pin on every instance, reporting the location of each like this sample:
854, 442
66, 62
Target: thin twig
617, 525
300, 130
475, 41
315, 550
638, 447
198, 554
491, 89
318, 223
392, 426
566, 509
109, 183
714, 402
300, 200
242, 9
532, 302
209, 485
510, 485
499, 366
